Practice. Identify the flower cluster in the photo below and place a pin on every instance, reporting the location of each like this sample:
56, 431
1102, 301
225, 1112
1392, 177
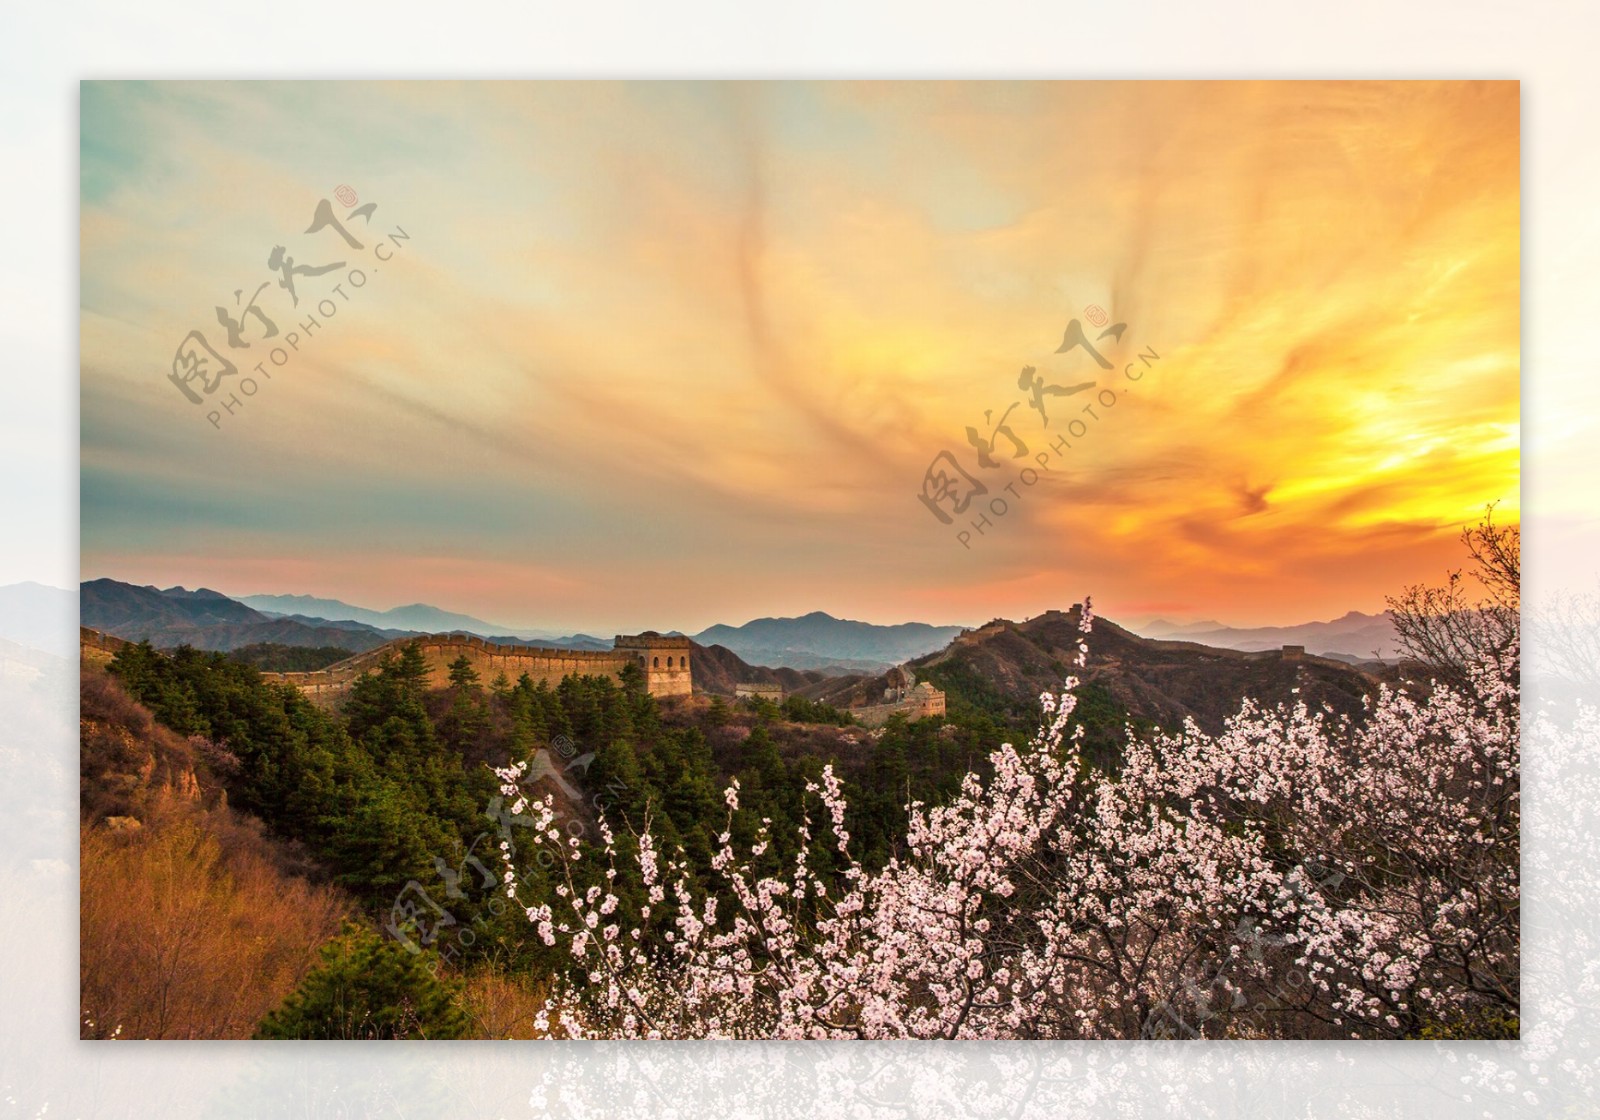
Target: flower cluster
1296, 874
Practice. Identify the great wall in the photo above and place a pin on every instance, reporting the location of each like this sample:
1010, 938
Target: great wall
903, 696
664, 661
921, 701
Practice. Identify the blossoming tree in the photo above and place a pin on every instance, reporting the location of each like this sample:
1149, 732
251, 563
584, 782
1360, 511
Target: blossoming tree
1295, 875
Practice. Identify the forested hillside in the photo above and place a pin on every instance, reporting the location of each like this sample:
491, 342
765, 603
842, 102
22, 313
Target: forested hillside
388, 812
488, 858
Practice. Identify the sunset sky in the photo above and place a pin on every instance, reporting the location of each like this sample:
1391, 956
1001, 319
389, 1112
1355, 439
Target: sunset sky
666, 355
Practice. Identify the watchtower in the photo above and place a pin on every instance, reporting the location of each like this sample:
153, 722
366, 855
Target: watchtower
665, 662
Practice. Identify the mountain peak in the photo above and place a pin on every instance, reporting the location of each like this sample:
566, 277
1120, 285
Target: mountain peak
819, 639
178, 591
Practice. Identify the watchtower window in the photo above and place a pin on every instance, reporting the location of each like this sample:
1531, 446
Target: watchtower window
655, 663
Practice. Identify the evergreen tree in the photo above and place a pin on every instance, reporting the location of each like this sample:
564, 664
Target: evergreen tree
411, 668
463, 726
369, 987
463, 677
717, 714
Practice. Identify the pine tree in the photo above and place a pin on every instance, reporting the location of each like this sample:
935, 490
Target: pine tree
410, 669
463, 677
468, 718
717, 714
369, 987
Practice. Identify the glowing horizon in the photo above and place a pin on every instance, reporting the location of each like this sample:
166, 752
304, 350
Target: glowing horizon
668, 355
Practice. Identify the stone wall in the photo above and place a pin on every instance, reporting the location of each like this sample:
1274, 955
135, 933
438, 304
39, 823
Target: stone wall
773, 692
325, 686
921, 703
665, 662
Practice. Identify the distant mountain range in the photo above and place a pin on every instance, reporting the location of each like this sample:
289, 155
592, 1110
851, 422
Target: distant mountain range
207, 619
1008, 664
1198, 671
820, 641
1351, 637
418, 618
813, 643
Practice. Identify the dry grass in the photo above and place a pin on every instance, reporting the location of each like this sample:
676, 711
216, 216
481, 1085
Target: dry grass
194, 923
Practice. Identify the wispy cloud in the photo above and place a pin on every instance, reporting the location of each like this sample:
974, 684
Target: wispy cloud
674, 354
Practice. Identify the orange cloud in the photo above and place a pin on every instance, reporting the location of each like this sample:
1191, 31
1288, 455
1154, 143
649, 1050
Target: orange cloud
704, 339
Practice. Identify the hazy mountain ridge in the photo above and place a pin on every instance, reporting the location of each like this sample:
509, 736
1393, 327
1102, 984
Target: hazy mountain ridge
416, 618
341, 624
204, 619
1354, 635
819, 640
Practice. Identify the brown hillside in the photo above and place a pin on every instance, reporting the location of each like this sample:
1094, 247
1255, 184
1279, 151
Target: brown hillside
194, 922
718, 669
1164, 682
